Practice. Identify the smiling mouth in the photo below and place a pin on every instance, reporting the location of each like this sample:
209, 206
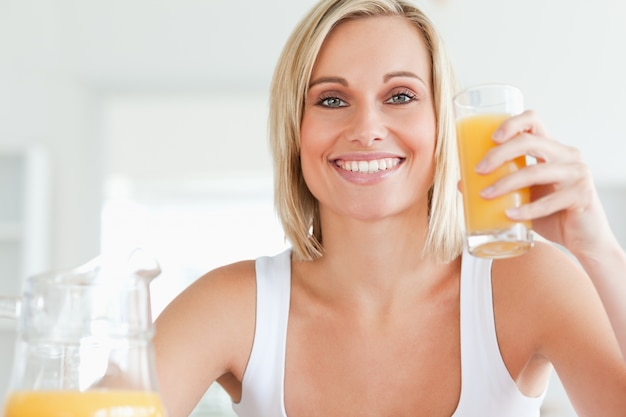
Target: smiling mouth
368, 167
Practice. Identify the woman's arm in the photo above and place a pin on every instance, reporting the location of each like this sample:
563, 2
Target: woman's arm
565, 208
606, 266
583, 313
205, 333
547, 306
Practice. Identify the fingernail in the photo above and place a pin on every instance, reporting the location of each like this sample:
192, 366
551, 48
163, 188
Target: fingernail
497, 135
481, 168
487, 192
513, 213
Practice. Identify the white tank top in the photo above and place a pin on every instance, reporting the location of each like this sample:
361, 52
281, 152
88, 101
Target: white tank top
487, 389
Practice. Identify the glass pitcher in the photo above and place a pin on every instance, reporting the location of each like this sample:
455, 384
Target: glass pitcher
84, 342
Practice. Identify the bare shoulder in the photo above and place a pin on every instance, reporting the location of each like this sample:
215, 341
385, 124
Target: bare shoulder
206, 332
221, 299
546, 271
236, 281
544, 288
228, 287
550, 307
530, 294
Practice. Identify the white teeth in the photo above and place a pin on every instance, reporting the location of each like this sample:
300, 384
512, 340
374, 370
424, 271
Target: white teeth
373, 166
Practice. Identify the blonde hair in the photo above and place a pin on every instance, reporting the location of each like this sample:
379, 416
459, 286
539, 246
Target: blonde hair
296, 207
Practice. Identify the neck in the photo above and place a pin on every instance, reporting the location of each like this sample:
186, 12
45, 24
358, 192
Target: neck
371, 267
377, 254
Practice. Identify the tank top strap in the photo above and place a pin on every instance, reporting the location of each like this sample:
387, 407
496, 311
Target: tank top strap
487, 388
263, 380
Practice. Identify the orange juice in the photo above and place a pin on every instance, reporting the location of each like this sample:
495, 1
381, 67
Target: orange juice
474, 140
96, 403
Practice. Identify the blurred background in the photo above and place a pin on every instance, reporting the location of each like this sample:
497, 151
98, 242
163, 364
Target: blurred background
129, 123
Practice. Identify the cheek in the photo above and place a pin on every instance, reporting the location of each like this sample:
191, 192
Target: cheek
311, 168
427, 126
424, 146
313, 143
429, 154
308, 154
421, 133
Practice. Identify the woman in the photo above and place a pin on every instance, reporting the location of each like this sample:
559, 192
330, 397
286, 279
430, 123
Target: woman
376, 310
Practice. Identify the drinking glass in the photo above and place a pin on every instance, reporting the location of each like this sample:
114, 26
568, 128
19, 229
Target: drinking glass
489, 232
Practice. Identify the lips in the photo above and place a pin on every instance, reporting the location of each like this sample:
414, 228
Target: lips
372, 166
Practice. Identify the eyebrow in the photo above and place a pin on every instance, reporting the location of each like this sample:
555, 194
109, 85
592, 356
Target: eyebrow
386, 78
323, 80
410, 74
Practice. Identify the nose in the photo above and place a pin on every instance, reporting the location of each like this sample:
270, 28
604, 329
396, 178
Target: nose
366, 125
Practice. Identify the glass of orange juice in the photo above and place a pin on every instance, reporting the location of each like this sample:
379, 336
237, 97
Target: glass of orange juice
489, 232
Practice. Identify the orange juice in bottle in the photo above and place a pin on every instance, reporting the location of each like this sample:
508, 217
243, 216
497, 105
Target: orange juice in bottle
92, 403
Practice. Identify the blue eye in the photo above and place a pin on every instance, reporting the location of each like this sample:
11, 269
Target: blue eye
332, 102
401, 98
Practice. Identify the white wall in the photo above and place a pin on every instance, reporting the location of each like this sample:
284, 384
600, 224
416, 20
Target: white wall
566, 55
43, 100
60, 61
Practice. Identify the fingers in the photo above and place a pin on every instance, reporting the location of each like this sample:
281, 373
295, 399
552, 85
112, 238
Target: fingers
540, 208
559, 180
559, 175
575, 198
525, 135
553, 187
526, 122
542, 148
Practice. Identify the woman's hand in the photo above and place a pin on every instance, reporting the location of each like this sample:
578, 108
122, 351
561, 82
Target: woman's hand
564, 206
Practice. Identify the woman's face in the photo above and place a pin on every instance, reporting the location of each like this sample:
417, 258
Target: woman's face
368, 129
